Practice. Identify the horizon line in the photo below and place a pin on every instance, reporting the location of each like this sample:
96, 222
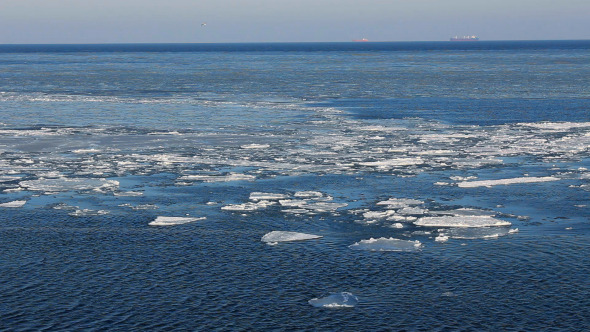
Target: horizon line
305, 42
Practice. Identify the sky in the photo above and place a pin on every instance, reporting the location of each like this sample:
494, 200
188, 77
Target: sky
182, 21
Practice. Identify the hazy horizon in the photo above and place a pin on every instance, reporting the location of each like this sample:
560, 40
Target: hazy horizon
241, 21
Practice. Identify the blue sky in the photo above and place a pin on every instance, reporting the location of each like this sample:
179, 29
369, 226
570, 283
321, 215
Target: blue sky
145, 21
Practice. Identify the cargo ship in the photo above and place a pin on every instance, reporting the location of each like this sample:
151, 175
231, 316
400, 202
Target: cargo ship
465, 38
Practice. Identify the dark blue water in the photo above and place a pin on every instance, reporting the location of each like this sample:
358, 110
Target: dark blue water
98, 141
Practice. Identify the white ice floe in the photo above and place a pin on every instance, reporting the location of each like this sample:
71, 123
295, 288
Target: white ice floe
557, 126
308, 194
128, 193
169, 221
464, 212
461, 221
284, 236
219, 178
400, 202
321, 207
69, 184
490, 183
249, 206
258, 196
386, 244
397, 162
441, 238
335, 301
477, 233
255, 146
88, 212
82, 151
13, 204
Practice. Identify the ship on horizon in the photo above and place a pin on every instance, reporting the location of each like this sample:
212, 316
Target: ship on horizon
465, 38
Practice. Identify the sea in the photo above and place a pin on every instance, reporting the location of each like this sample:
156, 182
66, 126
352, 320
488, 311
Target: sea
375, 186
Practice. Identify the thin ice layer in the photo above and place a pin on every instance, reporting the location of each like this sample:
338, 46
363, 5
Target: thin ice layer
284, 236
386, 244
461, 221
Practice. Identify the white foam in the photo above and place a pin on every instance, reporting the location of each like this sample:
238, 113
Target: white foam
169, 221
386, 244
461, 221
284, 236
335, 301
13, 204
490, 183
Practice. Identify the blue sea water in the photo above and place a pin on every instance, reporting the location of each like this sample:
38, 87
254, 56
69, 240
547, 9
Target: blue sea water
347, 141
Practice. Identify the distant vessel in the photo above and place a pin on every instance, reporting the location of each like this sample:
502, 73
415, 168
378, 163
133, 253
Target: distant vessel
360, 40
465, 38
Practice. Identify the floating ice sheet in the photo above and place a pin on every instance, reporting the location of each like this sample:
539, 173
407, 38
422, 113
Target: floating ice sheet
258, 196
490, 183
13, 204
477, 233
284, 236
219, 178
400, 202
386, 244
461, 221
70, 184
169, 221
249, 206
335, 301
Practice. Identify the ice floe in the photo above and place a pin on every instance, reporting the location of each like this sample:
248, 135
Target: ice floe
400, 202
386, 244
88, 212
219, 178
476, 233
284, 236
461, 221
170, 221
70, 184
335, 301
13, 204
490, 183
259, 196
255, 146
248, 206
